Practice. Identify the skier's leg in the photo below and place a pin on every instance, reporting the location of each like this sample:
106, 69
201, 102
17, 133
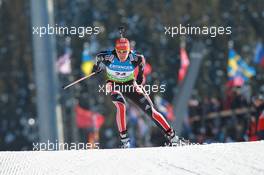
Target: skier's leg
141, 99
119, 102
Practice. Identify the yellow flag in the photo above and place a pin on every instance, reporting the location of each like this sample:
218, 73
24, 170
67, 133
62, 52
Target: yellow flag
87, 67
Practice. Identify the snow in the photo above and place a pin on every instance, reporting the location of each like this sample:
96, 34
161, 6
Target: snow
230, 158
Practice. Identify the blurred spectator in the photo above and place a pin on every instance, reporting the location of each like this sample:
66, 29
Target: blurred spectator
259, 104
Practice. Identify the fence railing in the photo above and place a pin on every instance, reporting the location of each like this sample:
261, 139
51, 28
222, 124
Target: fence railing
222, 114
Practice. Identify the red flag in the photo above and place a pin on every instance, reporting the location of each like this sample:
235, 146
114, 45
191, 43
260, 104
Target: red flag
184, 64
87, 119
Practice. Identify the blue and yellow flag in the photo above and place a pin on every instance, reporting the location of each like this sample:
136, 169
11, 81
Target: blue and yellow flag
238, 68
87, 62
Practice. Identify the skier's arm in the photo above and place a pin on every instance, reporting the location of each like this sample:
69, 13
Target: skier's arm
141, 66
98, 65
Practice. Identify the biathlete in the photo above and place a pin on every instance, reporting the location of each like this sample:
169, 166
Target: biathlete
120, 65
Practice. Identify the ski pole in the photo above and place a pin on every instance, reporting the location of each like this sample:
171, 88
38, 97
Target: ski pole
77, 81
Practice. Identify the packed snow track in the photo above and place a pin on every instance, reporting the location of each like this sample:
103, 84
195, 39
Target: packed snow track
230, 158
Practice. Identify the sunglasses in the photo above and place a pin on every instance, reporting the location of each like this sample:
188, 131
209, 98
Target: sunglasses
122, 51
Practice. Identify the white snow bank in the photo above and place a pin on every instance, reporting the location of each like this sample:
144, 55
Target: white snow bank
233, 158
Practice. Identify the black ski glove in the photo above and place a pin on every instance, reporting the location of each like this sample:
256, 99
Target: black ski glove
97, 69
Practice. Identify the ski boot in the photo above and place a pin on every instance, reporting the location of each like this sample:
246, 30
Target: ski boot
125, 141
175, 140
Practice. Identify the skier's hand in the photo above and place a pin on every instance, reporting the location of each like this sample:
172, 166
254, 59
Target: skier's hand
97, 69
